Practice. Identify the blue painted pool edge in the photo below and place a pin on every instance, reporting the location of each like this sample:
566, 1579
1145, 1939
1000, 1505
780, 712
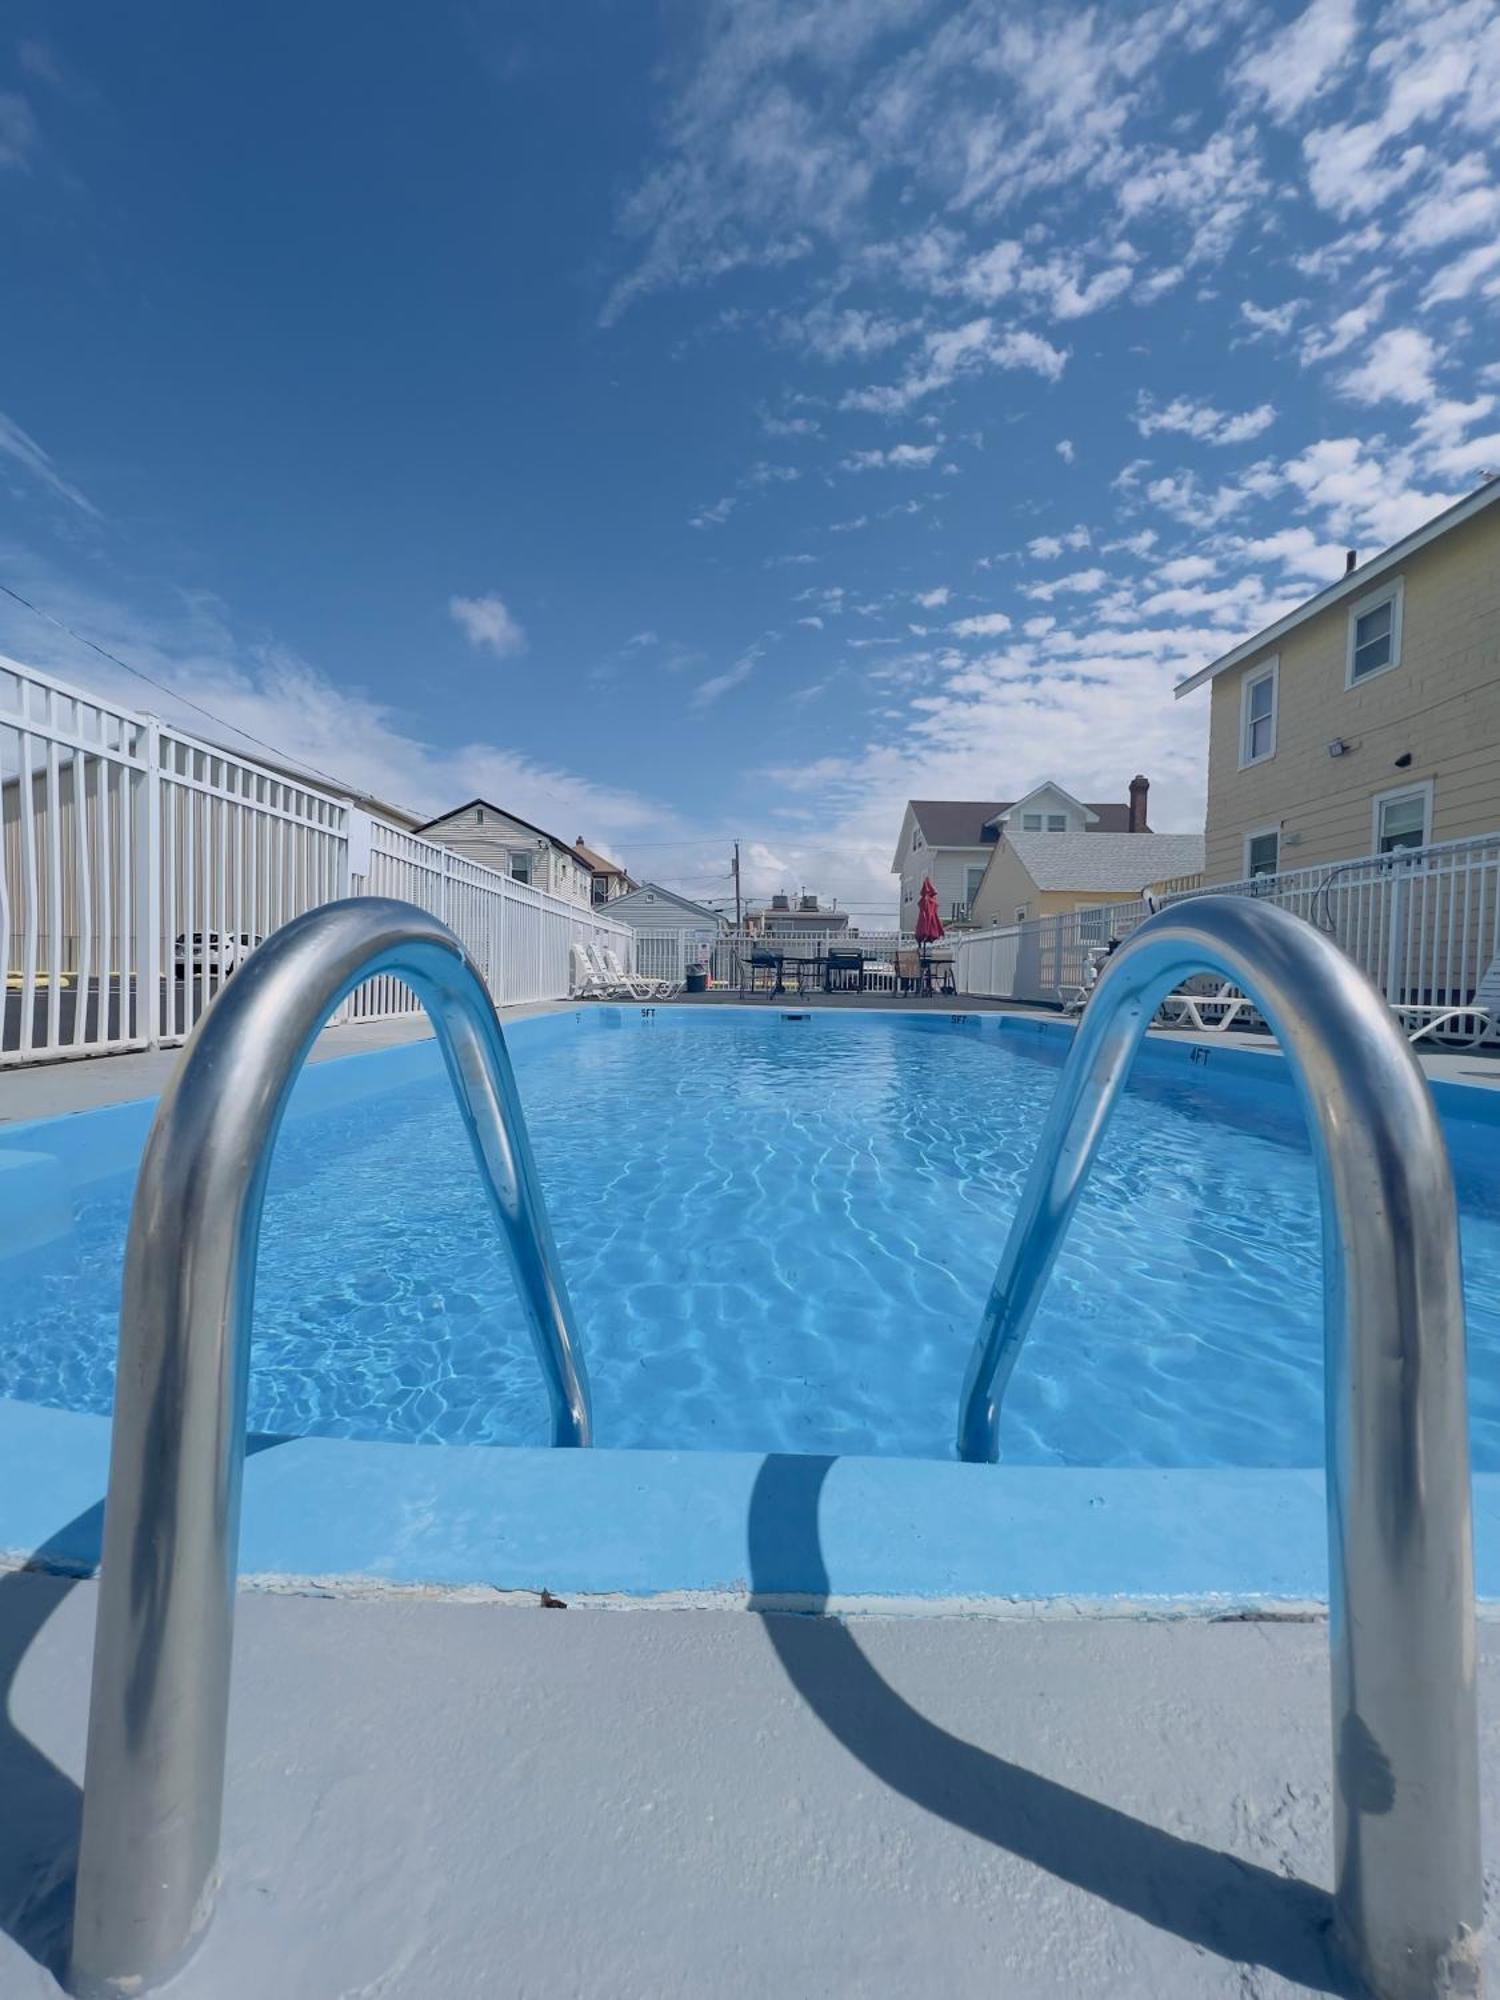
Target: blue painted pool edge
738, 1525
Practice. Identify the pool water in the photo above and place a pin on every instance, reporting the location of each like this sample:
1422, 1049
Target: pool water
779, 1235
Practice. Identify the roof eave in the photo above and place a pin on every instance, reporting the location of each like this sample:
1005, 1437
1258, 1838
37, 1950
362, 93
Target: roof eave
1347, 585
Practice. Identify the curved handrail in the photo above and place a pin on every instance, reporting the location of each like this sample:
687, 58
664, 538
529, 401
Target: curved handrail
1401, 1581
154, 1778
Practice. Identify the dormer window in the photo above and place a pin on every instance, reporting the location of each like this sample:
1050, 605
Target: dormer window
1057, 822
1031, 822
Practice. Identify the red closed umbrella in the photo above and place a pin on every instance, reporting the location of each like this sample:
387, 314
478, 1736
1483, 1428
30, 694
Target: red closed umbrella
929, 927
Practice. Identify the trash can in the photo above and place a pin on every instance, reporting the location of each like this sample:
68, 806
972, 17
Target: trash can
697, 979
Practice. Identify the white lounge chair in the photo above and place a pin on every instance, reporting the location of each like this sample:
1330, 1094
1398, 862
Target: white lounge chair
1227, 1007
1482, 1014
637, 986
585, 978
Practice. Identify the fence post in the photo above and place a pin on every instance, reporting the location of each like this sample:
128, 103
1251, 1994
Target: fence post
148, 894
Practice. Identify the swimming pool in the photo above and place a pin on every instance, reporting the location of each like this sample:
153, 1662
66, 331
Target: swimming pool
778, 1233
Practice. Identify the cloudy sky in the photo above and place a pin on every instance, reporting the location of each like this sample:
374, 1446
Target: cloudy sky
708, 420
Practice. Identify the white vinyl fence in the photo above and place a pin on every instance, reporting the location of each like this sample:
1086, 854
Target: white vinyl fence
139, 867
1422, 923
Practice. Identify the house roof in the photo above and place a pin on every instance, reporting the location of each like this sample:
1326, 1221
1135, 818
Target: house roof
1122, 861
504, 812
1349, 585
599, 863
961, 822
636, 895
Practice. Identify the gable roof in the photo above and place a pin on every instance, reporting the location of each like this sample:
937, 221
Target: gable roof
1126, 862
599, 863
637, 895
1090, 813
504, 812
962, 822
1349, 585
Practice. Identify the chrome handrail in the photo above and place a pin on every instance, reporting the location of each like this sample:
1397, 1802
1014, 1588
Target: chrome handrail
154, 1775
1409, 1892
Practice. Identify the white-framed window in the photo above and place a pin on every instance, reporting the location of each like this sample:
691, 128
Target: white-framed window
916, 838
1057, 822
520, 867
972, 879
1020, 917
1262, 850
1258, 714
1375, 633
1031, 822
1402, 818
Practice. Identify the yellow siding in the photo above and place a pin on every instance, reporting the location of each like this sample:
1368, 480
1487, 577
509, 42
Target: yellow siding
1442, 703
1006, 886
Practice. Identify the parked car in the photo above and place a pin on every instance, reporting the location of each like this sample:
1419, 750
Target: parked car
213, 951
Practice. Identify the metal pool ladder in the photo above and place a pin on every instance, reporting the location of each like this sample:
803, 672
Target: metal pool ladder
1409, 1890
154, 1777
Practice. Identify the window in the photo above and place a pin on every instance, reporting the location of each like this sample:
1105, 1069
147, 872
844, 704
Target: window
972, 879
1403, 819
520, 868
1258, 716
1057, 822
1262, 851
1031, 822
1020, 913
916, 838
1091, 924
1375, 634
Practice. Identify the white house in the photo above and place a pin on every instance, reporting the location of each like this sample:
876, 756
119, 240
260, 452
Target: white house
502, 840
953, 840
653, 908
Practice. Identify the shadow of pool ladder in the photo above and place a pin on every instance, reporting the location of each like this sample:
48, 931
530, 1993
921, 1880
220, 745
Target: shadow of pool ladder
1408, 1891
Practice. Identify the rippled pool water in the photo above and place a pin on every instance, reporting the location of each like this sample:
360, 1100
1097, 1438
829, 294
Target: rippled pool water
779, 1235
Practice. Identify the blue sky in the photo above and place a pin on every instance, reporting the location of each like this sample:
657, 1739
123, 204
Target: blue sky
723, 420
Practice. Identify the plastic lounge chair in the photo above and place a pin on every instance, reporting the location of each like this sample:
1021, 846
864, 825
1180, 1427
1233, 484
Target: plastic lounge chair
1482, 1012
627, 982
1228, 1006
585, 978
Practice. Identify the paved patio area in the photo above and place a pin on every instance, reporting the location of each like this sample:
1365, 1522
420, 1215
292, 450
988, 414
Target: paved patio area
437, 1797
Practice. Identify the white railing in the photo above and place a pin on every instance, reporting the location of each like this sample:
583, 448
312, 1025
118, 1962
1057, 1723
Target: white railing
1422, 923
727, 954
140, 866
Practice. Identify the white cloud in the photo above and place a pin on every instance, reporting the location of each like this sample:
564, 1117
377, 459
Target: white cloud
708, 692
487, 621
956, 351
1296, 65
1200, 420
987, 625
1461, 201
1267, 320
1083, 582
1398, 368
1065, 451
17, 130
1464, 275
1044, 547
24, 451
1186, 569
906, 457
1321, 343
932, 600
716, 515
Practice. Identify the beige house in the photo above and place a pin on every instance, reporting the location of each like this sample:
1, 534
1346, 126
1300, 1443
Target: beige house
952, 841
609, 878
1049, 874
486, 833
1369, 718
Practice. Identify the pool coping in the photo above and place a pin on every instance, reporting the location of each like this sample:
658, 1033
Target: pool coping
768, 1530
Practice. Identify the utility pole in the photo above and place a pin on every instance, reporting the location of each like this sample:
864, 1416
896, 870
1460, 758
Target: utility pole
735, 870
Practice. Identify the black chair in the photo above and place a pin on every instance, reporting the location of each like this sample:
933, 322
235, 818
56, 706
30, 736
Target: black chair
842, 967
759, 962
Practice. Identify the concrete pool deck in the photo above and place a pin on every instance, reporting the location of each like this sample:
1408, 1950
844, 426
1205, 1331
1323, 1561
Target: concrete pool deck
574, 1802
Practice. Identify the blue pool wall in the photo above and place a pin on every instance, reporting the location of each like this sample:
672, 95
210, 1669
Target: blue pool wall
741, 1526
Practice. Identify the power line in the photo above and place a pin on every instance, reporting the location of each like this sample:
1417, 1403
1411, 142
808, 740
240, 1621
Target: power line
162, 687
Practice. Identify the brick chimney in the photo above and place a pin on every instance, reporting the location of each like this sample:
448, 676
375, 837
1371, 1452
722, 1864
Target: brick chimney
1139, 787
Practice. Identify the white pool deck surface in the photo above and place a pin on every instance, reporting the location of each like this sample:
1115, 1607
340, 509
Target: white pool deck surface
451, 1797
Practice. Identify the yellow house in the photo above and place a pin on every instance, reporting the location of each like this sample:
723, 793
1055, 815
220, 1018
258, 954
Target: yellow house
1369, 718
1048, 874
